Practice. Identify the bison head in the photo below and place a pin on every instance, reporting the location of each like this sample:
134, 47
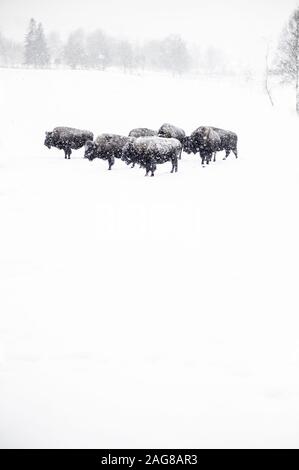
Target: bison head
90, 150
48, 140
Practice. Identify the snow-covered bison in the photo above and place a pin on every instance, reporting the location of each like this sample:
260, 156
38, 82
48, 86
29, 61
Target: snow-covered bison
228, 142
151, 151
67, 139
142, 132
170, 131
209, 140
106, 147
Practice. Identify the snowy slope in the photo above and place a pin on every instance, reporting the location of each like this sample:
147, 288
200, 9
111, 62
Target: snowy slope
147, 312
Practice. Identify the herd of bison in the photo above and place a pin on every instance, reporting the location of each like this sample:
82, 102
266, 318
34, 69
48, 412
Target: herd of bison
146, 147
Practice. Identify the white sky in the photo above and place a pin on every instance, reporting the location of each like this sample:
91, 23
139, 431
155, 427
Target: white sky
237, 26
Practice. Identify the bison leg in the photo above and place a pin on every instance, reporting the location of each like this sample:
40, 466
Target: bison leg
235, 152
133, 164
214, 159
111, 161
227, 152
67, 152
174, 165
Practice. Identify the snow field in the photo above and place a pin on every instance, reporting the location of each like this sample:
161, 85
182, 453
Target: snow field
147, 312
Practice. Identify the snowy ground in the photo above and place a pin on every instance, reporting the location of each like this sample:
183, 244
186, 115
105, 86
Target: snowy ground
147, 312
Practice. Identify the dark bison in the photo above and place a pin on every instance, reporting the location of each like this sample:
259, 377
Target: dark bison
204, 140
151, 151
142, 132
229, 142
209, 140
106, 147
67, 138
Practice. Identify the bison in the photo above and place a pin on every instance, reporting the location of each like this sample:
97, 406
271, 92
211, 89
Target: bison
204, 140
150, 151
106, 147
209, 140
67, 138
171, 131
142, 132
228, 142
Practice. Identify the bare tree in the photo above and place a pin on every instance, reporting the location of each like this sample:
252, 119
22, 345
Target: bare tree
11, 53
287, 59
267, 74
125, 52
55, 46
174, 55
97, 50
74, 50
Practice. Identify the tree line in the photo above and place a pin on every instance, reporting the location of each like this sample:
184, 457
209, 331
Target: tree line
99, 50
95, 50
